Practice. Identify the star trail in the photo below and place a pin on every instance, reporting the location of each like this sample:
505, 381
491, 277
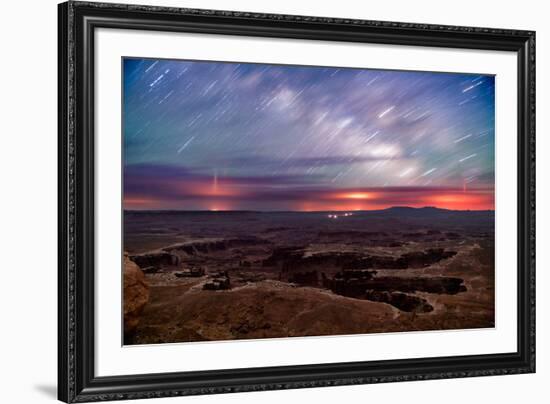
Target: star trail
203, 135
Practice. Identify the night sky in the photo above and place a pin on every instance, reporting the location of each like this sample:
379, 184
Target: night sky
237, 136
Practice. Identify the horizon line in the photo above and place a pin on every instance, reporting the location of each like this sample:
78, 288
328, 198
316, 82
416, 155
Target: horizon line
305, 211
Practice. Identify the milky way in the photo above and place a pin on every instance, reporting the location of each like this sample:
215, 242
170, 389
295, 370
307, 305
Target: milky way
237, 136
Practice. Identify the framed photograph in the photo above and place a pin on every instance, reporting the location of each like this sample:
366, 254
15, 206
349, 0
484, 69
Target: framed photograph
256, 201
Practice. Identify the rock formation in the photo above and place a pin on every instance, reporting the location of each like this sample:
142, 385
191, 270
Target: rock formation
190, 273
416, 259
357, 286
156, 259
400, 300
220, 281
309, 278
295, 258
136, 294
211, 245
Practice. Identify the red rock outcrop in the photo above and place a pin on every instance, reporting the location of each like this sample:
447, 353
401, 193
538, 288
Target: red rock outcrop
136, 294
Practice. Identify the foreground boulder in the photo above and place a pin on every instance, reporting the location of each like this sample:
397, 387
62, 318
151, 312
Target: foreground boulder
136, 294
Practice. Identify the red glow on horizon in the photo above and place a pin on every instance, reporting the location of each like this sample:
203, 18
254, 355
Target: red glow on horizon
452, 201
220, 194
463, 201
355, 195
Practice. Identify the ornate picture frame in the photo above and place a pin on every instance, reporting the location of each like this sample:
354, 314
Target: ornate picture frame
77, 79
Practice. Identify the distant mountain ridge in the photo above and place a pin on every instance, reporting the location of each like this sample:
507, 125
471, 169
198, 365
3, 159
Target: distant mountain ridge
411, 209
426, 211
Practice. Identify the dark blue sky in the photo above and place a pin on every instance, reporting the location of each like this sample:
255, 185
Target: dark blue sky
215, 135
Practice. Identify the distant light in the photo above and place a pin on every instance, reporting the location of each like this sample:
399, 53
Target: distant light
358, 195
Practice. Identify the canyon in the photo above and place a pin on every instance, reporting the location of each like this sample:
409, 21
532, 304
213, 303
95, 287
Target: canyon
241, 275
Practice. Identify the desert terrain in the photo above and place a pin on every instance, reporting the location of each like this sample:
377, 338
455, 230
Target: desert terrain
226, 275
